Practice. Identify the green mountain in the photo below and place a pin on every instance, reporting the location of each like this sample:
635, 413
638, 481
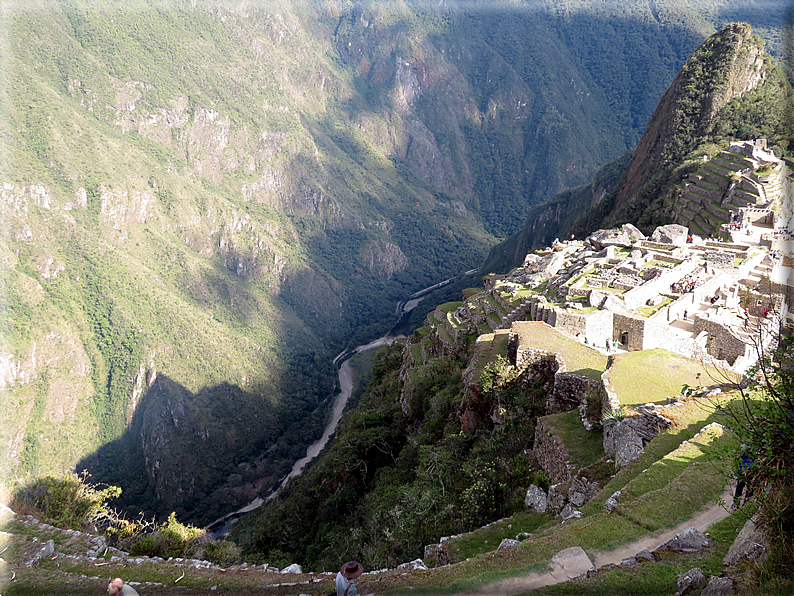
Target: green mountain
729, 89
438, 445
203, 202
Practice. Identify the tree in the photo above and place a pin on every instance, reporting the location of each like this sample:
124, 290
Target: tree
763, 419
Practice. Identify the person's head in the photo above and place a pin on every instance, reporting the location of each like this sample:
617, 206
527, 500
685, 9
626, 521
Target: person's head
115, 586
352, 570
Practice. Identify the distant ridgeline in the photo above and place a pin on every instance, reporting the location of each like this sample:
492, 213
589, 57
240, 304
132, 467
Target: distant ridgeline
729, 89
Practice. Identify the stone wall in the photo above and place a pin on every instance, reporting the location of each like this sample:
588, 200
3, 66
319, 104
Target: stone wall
600, 327
551, 454
569, 391
625, 440
571, 323
723, 343
660, 285
634, 330
522, 356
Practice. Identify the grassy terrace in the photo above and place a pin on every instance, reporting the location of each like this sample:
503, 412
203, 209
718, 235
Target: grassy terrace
647, 311
578, 358
584, 448
653, 375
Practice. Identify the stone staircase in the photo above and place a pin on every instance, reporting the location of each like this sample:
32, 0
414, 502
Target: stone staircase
761, 272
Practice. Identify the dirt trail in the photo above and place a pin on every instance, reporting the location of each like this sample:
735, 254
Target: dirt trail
572, 564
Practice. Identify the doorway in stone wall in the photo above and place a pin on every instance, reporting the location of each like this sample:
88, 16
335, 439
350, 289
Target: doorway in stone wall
624, 339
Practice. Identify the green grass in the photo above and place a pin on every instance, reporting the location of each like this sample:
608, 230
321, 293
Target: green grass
578, 358
653, 375
656, 579
647, 311
584, 448
488, 538
448, 307
501, 338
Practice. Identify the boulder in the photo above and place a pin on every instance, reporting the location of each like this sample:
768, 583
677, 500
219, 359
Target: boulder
670, 234
45, 551
596, 298
632, 231
645, 554
689, 540
750, 544
614, 304
582, 490
294, 568
603, 238
571, 563
569, 512
718, 586
628, 443
629, 562
556, 500
508, 542
536, 499
415, 564
610, 503
690, 581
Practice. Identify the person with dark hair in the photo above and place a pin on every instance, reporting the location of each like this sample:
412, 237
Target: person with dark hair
741, 480
344, 579
117, 587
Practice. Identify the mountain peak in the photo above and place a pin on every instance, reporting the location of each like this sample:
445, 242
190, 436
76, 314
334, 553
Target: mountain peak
725, 66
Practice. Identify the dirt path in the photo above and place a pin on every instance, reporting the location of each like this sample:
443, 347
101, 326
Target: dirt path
573, 562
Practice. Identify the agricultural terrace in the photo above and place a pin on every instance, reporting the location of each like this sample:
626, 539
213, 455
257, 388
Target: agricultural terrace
653, 375
578, 358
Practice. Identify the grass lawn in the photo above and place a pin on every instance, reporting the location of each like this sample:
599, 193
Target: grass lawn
653, 375
490, 537
656, 579
584, 448
578, 358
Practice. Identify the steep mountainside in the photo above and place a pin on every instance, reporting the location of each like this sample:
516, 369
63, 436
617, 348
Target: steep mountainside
729, 88
203, 202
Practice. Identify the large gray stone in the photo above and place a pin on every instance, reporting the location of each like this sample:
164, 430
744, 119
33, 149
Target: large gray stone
689, 581
628, 443
633, 231
595, 298
508, 542
689, 540
45, 551
294, 568
570, 563
750, 544
718, 586
569, 511
614, 304
670, 234
536, 499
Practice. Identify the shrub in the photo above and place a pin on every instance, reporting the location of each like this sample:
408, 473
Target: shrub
67, 502
613, 415
221, 552
171, 539
763, 419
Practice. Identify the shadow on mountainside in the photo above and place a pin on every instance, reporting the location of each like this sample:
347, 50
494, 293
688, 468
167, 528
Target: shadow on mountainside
202, 454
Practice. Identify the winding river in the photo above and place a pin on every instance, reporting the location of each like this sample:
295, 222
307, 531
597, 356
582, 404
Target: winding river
223, 525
